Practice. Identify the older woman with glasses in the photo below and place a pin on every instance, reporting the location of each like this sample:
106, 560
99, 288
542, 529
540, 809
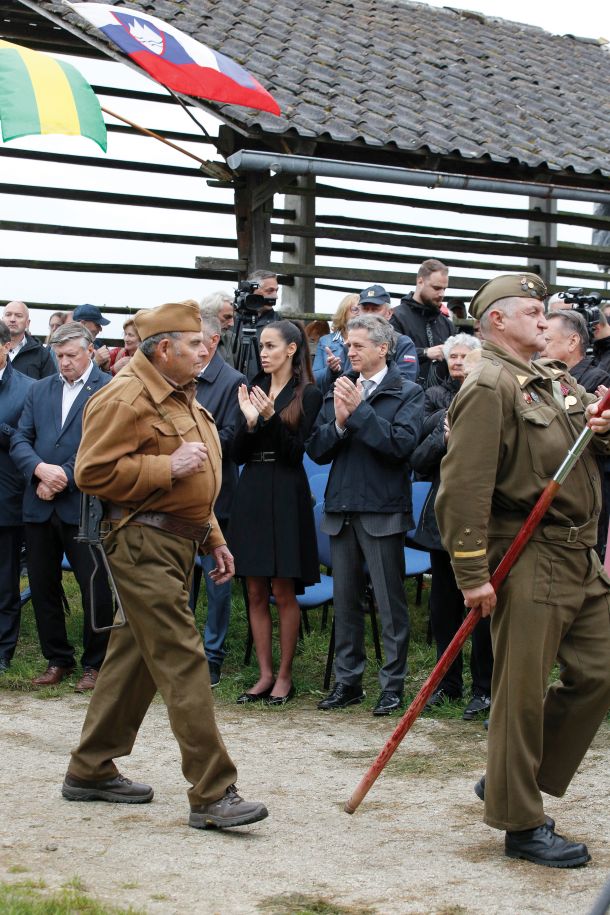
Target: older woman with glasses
332, 351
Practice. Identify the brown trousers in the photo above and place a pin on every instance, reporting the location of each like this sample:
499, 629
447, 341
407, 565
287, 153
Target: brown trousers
158, 649
554, 605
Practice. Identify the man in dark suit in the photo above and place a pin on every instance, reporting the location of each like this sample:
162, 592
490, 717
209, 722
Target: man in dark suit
44, 450
13, 389
369, 424
217, 386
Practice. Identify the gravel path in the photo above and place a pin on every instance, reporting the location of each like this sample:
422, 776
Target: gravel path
416, 845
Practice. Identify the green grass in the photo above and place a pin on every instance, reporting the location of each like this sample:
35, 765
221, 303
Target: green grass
236, 677
28, 898
300, 904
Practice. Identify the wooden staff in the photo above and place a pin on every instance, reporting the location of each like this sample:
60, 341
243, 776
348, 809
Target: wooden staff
447, 658
215, 169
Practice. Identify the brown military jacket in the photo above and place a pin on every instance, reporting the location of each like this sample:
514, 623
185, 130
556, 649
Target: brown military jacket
128, 437
512, 425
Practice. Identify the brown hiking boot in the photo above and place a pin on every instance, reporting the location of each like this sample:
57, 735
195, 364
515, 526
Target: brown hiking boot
230, 810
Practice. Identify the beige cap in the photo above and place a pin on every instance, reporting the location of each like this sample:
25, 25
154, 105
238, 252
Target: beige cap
174, 317
509, 285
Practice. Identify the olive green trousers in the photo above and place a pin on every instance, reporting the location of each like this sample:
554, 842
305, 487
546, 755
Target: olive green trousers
553, 606
159, 649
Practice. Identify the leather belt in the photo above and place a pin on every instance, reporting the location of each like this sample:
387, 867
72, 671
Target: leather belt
262, 457
181, 527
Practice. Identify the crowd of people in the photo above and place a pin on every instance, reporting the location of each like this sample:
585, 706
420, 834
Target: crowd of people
193, 435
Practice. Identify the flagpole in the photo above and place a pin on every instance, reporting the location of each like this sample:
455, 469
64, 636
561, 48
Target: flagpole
215, 169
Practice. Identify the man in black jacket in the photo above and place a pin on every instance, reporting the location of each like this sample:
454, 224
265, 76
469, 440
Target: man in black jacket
217, 386
368, 426
27, 355
419, 317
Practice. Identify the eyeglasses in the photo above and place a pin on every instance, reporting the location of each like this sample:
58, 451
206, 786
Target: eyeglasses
355, 309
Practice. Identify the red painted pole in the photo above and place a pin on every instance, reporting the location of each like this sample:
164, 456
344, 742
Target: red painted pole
447, 658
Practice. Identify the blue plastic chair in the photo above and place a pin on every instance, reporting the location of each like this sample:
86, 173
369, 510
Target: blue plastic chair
317, 485
417, 561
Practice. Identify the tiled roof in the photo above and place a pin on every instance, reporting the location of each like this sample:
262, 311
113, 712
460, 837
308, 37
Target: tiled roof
404, 77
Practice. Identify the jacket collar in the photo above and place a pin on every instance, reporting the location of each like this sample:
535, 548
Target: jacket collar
391, 383
284, 397
525, 372
428, 311
213, 369
156, 385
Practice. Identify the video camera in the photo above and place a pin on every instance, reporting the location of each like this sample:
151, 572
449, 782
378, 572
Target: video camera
247, 302
586, 305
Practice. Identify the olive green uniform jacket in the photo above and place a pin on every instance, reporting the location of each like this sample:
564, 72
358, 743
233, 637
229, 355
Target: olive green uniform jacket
512, 425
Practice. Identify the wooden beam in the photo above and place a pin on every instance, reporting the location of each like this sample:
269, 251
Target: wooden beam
168, 203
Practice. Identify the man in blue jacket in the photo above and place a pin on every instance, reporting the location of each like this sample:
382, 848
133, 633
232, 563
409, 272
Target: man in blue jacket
13, 388
44, 449
369, 424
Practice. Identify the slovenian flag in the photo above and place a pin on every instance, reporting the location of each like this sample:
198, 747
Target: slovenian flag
42, 95
175, 59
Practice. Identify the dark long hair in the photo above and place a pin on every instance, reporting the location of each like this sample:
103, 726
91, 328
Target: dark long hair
294, 332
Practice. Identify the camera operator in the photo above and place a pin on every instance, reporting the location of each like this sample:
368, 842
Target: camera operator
254, 307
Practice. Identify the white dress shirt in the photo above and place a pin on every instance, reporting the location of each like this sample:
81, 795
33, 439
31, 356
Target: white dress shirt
71, 390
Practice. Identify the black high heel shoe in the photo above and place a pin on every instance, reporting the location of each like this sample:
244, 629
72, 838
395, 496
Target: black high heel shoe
254, 697
281, 700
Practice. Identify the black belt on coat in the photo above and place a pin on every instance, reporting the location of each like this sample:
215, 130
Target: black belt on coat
262, 457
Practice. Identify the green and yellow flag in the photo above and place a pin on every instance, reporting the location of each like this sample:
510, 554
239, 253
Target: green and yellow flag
42, 95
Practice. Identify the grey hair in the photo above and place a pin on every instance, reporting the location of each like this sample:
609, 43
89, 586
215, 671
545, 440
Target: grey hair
379, 330
72, 331
460, 340
212, 303
147, 347
211, 324
5, 334
508, 305
573, 323
259, 275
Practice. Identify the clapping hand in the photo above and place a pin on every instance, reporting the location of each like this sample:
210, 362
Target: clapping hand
247, 407
262, 402
333, 362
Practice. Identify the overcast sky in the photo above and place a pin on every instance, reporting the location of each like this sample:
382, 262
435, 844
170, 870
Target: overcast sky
586, 18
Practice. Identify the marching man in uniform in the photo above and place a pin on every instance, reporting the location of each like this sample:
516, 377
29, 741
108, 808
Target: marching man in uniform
522, 417
152, 453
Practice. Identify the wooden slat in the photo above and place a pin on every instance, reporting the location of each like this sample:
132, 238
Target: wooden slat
167, 203
158, 237
377, 225
350, 275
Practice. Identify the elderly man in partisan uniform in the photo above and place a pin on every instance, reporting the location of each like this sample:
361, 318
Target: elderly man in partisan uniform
524, 416
151, 452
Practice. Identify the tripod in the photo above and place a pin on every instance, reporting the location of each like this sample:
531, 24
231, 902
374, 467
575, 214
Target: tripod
245, 345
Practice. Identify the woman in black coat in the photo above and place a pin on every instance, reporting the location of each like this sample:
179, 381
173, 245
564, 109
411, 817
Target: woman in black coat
272, 532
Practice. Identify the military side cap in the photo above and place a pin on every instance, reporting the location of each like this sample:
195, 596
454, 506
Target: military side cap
174, 317
374, 295
509, 285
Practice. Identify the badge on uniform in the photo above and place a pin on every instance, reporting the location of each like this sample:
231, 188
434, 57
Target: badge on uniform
569, 399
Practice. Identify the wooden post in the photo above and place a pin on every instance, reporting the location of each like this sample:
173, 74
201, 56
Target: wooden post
301, 296
544, 234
